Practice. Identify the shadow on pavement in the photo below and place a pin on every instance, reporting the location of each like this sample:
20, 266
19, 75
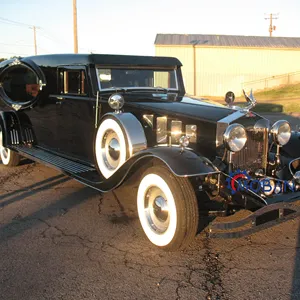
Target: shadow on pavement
32, 189
23, 224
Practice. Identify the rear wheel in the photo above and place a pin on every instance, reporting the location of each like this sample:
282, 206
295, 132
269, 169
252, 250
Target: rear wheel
7, 156
167, 208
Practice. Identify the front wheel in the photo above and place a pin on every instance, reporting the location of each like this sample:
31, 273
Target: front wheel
9, 158
167, 208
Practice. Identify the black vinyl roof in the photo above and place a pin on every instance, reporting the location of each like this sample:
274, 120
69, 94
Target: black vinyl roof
227, 40
103, 59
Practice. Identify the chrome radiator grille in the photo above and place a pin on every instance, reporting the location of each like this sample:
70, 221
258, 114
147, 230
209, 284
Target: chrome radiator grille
254, 155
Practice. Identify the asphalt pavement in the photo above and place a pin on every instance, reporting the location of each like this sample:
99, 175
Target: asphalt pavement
62, 240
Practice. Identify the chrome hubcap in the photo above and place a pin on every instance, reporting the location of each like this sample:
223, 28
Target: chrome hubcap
3, 151
114, 149
157, 210
110, 149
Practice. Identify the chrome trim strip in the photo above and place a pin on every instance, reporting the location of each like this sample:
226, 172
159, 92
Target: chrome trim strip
232, 117
96, 110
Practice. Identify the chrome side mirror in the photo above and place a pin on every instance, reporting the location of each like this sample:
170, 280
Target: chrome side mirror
229, 98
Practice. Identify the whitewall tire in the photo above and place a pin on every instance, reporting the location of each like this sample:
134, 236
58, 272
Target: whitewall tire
167, 208
111, 149
7, 156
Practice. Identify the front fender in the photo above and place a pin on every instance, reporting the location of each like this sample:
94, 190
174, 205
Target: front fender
292, 148
185, 163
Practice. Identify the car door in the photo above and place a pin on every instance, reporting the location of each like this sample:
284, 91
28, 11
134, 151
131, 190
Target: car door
75, 113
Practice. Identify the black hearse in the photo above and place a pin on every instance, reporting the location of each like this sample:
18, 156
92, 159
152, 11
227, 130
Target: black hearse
102, 118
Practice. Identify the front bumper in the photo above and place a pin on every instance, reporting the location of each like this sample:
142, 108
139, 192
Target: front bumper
280, 210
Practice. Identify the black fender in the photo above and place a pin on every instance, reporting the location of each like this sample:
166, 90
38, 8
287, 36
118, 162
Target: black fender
186, 163
9, 123
16, 128
292, 148
182, 163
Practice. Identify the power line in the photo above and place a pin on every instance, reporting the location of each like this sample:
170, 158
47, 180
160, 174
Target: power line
15, 45
14, 22
15, 53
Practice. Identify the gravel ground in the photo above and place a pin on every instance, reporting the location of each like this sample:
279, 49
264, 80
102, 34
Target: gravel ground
62, 240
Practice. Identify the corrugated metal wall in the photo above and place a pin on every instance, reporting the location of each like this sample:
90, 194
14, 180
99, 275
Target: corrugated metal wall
220, 69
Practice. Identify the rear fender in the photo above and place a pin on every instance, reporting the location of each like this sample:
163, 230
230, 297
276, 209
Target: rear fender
10, 127
16, 128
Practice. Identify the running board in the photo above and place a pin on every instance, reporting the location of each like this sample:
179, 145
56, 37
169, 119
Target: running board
79, 171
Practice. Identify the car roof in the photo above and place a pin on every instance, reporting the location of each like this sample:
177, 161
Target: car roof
103, 59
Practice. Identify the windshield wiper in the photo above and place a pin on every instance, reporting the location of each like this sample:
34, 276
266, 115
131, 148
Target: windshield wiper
159, 88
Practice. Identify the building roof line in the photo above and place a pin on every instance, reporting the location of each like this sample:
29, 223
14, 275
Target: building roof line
204, 40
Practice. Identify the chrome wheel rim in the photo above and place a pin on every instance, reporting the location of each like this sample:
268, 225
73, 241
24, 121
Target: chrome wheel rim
3, 150
110, 149
157, 210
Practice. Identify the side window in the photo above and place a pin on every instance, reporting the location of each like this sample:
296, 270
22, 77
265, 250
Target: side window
72, 82
20, 83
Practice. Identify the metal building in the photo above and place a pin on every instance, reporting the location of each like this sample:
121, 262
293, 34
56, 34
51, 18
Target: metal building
215, 64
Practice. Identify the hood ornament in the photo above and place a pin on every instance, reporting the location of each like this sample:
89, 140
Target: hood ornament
250, 99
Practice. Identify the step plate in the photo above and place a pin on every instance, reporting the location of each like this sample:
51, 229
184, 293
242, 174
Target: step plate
55, 160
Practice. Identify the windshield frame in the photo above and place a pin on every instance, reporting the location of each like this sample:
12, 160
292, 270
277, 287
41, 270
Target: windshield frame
142, 88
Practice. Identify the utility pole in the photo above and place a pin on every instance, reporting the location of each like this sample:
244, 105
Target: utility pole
34, 39
194, 43
271, 27
75, 26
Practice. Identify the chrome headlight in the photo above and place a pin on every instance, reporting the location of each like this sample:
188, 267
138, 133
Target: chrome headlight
235, 137
281, 132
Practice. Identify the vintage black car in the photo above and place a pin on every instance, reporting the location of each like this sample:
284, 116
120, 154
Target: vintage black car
103, 118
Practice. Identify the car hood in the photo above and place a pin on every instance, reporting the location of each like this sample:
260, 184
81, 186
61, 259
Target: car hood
183, 107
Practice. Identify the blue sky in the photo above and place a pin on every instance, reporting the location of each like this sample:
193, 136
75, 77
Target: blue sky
130, 26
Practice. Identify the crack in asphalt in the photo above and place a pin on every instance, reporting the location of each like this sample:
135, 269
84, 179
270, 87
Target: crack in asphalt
213, 282
210, 272
142, 268
100, 204
15, 175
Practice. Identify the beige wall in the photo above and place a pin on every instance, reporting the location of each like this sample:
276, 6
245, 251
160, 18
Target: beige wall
219, 70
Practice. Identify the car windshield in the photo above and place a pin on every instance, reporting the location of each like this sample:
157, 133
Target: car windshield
137, 78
